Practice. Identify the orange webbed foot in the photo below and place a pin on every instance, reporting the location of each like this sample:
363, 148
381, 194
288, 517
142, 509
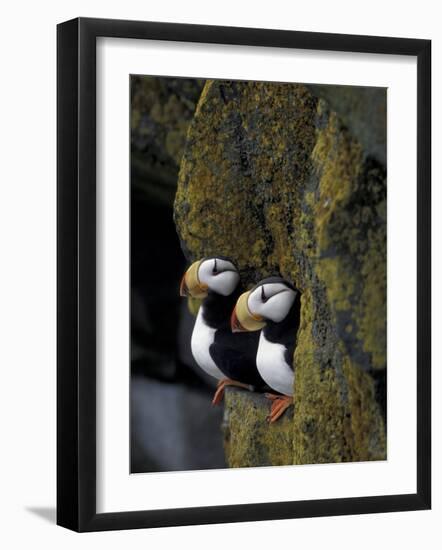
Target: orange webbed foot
219, 394
280, 403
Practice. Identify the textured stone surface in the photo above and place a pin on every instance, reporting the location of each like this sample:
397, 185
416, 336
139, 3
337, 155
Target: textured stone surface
364, 111
274, 178
249, 440
161, 110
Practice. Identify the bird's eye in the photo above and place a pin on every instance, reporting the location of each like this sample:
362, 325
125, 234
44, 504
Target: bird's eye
215, 268
263, 295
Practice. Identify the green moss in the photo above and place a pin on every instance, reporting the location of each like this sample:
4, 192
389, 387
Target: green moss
272, 178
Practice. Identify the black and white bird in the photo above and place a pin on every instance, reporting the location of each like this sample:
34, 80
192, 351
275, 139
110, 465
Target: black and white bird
274, 306
228, 357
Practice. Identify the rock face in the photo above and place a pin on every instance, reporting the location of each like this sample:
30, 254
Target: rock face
161, 110
363, 111
273, 177
248, 439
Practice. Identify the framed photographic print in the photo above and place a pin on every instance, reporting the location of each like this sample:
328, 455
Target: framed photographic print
243, 274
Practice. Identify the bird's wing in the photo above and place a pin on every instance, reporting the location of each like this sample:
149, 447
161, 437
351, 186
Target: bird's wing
236, 365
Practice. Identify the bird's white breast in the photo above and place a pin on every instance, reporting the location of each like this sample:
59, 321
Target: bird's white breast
272, 366
202, 338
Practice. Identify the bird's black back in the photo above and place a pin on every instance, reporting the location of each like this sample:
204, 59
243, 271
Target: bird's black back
286, 331
234, 353
218, 309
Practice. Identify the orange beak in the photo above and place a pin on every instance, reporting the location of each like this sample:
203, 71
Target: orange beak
235, 325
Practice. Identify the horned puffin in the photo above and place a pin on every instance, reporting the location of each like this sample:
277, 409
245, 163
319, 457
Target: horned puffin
274, 306
230, 358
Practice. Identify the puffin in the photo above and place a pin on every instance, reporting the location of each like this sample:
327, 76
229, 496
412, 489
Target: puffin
227, 356
273, 306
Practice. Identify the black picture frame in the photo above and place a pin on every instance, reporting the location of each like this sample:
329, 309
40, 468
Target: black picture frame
76, 274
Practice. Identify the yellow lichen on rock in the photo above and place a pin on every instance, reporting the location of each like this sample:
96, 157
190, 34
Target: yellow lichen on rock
350, 229
233, 169
249, 439
367, 437
319, 421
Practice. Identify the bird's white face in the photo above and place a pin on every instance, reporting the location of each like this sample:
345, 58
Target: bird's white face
218, 275
271, 301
